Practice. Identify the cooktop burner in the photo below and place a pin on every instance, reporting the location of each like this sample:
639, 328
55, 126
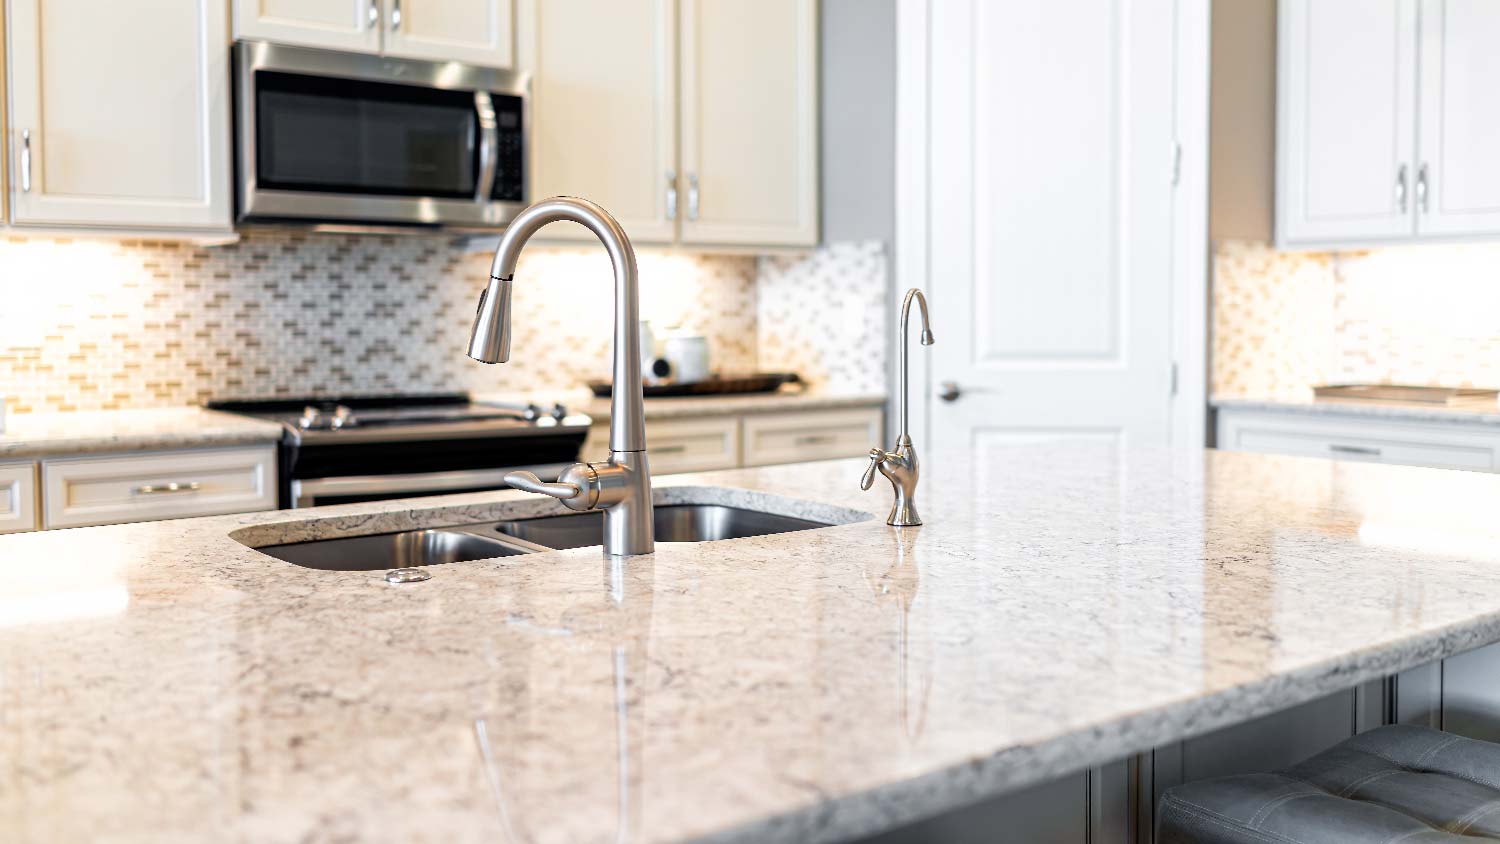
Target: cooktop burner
398, 414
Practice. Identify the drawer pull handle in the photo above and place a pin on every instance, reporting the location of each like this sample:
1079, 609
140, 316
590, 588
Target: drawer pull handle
174, 486
668, 449
816, 439
1354, 449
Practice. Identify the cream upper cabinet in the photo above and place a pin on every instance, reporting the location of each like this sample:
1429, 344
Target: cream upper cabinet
120, 113
614, 78
471, 31
335, 24
749, 121
4, 159
1460, 118
1346, 98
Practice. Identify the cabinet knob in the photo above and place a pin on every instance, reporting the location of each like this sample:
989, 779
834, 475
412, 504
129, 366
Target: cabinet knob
949, 391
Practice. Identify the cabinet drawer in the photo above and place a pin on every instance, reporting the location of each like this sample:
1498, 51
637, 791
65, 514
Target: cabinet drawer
161, 485
679, 445
693, 445
822, 435
17, 497
1436, 446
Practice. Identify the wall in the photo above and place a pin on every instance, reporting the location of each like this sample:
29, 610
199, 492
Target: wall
1242, 119
92, 324
1285, 321
858, 119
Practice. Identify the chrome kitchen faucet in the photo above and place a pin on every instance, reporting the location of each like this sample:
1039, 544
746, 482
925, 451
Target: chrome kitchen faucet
900, 466
622, 486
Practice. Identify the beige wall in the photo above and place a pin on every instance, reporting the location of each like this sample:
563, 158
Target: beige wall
1242, 120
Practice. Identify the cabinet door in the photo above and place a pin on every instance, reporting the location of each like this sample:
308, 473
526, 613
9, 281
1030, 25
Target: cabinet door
4, 159
613, 79
1346, 112
335, 24
1471, 694
471, 31
750, 122
1460, 121
17, 497
120, 113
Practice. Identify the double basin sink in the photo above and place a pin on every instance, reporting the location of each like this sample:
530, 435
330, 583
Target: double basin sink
462, 543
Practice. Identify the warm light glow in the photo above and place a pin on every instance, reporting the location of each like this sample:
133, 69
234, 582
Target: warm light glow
48, 284
52, 607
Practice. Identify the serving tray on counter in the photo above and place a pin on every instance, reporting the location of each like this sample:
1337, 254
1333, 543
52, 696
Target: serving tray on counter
1407, 393
758, 382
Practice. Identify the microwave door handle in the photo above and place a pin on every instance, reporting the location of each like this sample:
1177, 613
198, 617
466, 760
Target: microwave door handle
489, 144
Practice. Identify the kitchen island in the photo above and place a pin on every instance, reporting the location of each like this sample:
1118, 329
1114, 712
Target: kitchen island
1063, 607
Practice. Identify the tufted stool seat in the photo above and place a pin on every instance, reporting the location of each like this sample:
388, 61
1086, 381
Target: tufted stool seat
1394, 785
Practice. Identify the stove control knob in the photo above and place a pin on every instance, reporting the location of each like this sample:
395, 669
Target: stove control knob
559, 412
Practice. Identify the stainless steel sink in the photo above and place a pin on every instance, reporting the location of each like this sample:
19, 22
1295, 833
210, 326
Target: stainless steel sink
393, 550
674, 523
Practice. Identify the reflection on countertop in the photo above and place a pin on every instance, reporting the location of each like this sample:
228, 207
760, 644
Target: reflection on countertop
1063, 606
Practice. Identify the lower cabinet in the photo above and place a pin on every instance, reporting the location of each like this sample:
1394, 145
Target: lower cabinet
18, 511
101, 490
1439, 445
707, 443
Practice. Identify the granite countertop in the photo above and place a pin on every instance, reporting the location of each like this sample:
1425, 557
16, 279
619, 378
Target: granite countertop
78, 432
1471, 414
785, 399
1062, 607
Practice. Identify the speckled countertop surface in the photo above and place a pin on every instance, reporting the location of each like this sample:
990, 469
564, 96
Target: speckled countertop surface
78, 432
1061, 607
1471, 414
785, 399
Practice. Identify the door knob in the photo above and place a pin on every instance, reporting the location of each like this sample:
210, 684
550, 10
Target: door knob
949, 391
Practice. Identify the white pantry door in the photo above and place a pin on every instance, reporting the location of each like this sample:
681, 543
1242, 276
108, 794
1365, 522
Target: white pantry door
1051, 159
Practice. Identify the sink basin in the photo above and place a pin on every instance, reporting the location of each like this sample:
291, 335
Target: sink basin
393, 550
674, 523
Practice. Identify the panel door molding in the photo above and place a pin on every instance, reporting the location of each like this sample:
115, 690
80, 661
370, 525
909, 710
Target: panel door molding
749, 122
1346, 110
135, 137
615, 79
1459, 124
334, 24
473, 31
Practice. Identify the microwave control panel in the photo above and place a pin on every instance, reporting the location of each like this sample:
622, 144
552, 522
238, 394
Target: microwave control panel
510, 161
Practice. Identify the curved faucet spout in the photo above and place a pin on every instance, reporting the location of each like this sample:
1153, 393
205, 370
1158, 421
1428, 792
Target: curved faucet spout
621, 487
901, 342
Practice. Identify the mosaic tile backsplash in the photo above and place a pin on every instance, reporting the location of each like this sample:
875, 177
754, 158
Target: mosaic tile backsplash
90, 324
843, 347
1285, 321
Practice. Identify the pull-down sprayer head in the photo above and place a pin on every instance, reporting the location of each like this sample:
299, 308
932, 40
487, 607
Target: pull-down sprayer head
490, 340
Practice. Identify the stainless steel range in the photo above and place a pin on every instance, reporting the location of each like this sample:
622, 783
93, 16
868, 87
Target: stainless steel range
368, 448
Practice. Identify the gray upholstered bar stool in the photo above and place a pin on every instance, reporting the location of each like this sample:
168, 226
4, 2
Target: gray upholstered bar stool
1400, 784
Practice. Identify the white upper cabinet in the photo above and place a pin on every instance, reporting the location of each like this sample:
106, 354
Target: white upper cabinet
1347, 109
617, 83
614, 78
335, 24
1387, 122
1460, 119
749, 121
120, 113
470, 31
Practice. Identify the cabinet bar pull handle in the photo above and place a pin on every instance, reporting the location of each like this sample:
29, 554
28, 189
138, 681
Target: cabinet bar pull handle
1422, 187
174, 486
374, 13
814, 439
671, 194
1354, 449
692, 196
25, 161
668, 449
1401, 188
395, 15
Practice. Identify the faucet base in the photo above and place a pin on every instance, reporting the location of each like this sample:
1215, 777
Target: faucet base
904, 514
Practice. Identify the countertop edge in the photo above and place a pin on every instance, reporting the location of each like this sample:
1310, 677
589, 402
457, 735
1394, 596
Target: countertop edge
1486, 416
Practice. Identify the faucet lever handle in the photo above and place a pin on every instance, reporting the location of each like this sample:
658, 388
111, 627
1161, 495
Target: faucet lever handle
531, 483
876, 456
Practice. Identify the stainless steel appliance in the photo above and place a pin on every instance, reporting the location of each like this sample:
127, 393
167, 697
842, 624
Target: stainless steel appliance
370, 448
343, 138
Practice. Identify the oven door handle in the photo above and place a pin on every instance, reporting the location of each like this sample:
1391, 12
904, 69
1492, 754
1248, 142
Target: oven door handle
306, 492
489, 146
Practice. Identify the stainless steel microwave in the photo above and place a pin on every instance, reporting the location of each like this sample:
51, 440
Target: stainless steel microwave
343, 138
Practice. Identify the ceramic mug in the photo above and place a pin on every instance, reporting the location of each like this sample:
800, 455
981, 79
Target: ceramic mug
688, 355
